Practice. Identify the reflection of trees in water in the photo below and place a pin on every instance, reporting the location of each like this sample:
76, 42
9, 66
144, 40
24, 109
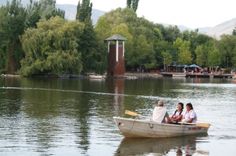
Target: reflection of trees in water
10, 100
116, 86
52, 111
82, 113
160, 146
41, 133
42, 109
10, 107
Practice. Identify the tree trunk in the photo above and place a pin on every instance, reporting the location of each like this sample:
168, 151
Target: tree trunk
11, 61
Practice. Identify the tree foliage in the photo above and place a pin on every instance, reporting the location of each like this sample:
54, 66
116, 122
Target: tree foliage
46, 47
184, 54
14, 19
84, 11
234, 32
90, 47
12, 25
227, 48
139, 33
52, 48
133, 4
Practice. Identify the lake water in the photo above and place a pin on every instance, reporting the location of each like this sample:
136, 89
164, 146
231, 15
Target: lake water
74, 117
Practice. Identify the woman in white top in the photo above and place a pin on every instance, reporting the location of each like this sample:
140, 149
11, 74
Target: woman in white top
178, 114
190, 116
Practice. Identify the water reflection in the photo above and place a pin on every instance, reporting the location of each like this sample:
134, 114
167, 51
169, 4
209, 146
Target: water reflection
184, 146
10, 101
54, 112
57, 116
116, 86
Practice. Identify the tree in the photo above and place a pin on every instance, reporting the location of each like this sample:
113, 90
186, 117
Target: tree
51, 48
12, 24
171, 33
92, 53
48, 9
184, 55
227, 50
213, 55
139, 32
201, 55
14, 19
142, 55
133, 4
84, 11
195, 40
163, 51
167, 58
207, 55
33, 14
42, 9
234, 32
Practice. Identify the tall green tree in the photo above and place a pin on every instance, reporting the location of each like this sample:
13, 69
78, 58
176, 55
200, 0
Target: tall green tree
42, 9
234, 32
184, 54
12, 25
167, 58
213, 55
84, 11
91, 50
207, 55
163, 50
227, 48
201, 55
133, 4
48, 9
51, 48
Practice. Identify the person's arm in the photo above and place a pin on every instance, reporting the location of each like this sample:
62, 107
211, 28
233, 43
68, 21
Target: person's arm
167, 118
179, 118
190, 120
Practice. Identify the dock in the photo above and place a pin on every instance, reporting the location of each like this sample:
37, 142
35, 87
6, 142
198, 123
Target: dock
196, 75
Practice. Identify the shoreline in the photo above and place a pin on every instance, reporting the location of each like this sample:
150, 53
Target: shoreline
128, 75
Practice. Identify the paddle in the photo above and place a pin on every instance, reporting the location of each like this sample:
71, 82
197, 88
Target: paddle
135, 114
131, 113
198, 124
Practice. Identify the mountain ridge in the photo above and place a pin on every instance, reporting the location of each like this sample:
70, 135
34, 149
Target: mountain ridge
225, 28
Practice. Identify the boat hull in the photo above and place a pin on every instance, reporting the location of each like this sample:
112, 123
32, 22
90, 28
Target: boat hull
133, 128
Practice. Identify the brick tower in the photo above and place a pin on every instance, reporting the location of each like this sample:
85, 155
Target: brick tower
116, 53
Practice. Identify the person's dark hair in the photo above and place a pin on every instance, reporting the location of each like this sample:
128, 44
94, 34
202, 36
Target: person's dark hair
190, 105
181, 104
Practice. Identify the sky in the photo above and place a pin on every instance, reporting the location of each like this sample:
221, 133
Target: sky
189, 13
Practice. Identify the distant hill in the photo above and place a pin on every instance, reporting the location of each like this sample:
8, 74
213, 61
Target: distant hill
223, 28
216, 31
4, 2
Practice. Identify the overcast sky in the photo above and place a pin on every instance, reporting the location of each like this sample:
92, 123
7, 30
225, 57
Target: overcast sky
190, 13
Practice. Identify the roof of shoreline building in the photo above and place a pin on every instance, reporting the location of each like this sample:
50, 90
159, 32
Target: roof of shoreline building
116, 37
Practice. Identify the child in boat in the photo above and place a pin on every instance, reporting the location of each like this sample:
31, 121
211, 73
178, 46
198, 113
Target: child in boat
160, 113
178, 114
189, 116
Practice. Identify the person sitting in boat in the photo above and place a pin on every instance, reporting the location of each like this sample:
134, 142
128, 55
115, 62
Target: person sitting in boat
160, 113
189, 116
178, 114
